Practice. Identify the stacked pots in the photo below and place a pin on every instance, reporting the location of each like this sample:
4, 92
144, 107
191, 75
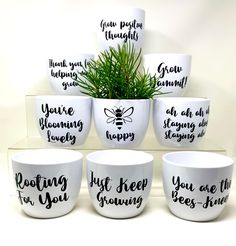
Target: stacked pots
119, 180
178, 121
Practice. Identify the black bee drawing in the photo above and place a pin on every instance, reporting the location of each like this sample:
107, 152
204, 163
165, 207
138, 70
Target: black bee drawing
119, 116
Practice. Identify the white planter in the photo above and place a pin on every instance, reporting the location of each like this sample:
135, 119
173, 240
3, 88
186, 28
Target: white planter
173, 69
47, 181
119, 181
180, 121
121, 25
62, 70
196, 183
121, 123
63, 120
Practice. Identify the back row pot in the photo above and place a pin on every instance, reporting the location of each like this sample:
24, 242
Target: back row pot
121, 123
172, 69
117, 26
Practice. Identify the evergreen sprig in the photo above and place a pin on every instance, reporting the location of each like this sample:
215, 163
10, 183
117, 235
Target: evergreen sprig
115, 75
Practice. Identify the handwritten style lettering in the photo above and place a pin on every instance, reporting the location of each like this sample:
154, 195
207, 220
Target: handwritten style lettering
24, 199
56, 110
120, 136
210, 201
125, 30
45, 122
103, 200
133, 186
162, 69
103, 183
48, 200
104, 187
176, 181
41, 182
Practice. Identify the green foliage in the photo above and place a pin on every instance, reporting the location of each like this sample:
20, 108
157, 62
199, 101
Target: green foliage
115, 75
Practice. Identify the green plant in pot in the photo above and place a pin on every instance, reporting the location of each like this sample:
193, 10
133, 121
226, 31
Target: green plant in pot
121, 96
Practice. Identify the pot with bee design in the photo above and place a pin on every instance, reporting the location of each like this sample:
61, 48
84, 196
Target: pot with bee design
121, 123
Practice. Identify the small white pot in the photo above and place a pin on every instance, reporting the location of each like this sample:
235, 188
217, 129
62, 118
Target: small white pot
63, 70
120, 26
180, 121
119, 181
196, 183
47, 181
173, 70
63, 120
121, 123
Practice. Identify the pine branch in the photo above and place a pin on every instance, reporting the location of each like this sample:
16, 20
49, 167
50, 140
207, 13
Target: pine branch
115, 75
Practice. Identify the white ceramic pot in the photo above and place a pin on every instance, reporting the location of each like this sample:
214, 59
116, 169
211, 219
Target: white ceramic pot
63, 70
47, 181
121, 123
196, 184
118, 26
180, 121
63, 120
173, 71
119, 181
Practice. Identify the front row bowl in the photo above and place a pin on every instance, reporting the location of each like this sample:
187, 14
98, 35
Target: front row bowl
119, 181
196, 184
47, 181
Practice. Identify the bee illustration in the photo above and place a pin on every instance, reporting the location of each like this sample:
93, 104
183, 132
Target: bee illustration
119, 116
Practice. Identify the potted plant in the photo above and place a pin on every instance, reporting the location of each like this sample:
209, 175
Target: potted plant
121, 95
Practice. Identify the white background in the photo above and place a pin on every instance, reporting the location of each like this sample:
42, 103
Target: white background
31, 30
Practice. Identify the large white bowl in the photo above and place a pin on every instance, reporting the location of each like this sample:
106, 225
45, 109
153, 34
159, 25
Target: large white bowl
180, 121
121, 123
63, 120
119, 181
47, 181
173, 71
196, 184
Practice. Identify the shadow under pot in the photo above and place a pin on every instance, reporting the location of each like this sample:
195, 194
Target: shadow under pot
121, 123
63, 120
180, 121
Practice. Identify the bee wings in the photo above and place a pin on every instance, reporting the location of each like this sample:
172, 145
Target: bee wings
126, 114
110, 114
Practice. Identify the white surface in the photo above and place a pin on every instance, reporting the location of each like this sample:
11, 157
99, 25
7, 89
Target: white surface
155, 226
